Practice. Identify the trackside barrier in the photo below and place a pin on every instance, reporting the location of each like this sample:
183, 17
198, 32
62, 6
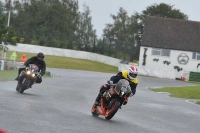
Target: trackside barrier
55, 75
13, 65
65, 53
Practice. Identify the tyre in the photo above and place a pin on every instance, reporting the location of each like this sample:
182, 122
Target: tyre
17, 88
112, 110
93, 111
21, 89
24, 86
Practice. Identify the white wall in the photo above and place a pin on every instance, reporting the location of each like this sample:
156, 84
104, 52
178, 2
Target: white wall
166, 70
65, 52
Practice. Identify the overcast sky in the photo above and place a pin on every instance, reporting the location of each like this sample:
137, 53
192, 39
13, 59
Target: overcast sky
101, 9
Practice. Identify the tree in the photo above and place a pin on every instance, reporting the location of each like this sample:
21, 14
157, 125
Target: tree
120, 22
121, 35
49, 23
1, 7
7, 34
85, 30
165, 11
131, 36
109, 34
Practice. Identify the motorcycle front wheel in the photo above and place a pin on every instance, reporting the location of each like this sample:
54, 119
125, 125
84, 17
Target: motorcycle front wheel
17, 88
93, 111
112, 110
20, 88
23, 86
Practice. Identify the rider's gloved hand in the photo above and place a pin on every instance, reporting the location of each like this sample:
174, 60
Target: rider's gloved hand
125, 101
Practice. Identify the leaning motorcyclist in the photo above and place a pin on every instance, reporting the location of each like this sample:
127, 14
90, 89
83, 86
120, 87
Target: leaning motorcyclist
129, 75
37, 60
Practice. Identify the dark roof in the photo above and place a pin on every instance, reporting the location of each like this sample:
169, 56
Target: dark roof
173, 34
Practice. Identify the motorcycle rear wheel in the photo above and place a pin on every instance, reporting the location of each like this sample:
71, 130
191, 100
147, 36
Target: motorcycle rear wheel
113, 109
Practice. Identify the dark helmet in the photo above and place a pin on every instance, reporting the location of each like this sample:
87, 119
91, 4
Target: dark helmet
40, 56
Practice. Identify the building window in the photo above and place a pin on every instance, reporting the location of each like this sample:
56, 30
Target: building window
161, 52
196, 56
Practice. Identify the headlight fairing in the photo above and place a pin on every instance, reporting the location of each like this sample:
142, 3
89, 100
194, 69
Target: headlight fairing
124, 89
122, 93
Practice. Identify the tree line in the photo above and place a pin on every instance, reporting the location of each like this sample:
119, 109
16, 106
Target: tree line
60, 24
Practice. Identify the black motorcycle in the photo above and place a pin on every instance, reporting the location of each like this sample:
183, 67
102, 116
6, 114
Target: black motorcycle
27, 77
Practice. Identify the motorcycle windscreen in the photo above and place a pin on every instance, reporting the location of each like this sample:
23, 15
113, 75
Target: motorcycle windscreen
34, 67
122, 85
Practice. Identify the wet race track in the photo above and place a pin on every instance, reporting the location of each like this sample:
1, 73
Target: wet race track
63, 105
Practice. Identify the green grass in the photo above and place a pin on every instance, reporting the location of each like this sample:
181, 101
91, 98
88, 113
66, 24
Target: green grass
190, 92
62, 62
8, 75
78, 64
12, 74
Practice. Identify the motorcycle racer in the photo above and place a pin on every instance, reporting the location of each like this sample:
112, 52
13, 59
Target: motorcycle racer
129, 75
37, 60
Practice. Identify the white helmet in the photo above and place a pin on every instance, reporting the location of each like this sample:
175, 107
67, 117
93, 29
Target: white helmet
132, 72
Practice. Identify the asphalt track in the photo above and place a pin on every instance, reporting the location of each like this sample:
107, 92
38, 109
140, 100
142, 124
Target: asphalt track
63, 105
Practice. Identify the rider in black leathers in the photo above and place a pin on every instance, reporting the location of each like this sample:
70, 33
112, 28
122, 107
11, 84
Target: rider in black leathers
129, 75
37, 60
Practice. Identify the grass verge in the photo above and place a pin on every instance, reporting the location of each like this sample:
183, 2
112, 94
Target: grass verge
190, 92
8, 75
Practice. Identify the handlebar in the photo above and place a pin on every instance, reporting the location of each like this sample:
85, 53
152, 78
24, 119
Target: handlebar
110, 82
39, 75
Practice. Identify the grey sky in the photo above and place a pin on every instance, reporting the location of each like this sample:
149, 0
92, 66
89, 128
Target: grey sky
101, 9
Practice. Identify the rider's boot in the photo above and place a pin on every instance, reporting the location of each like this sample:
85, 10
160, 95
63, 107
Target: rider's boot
102, 90
97, 101
17, 78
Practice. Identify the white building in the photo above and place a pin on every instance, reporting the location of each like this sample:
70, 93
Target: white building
170, 48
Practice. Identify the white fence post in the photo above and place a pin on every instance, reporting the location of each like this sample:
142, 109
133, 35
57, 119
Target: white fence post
2, 64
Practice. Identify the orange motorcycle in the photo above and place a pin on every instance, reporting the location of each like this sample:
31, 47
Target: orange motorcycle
112, 99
